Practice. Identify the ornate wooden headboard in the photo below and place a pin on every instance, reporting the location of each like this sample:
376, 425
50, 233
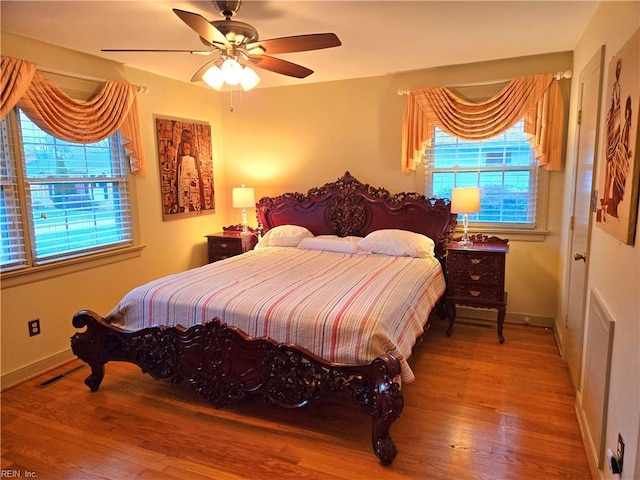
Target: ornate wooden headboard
349, 207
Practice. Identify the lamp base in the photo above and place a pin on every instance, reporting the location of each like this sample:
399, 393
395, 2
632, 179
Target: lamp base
464, 241
245, 229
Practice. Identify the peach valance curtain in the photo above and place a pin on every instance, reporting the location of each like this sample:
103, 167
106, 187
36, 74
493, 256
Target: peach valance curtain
113, 108
536, 98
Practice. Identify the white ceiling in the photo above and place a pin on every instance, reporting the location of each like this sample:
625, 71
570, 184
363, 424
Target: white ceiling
378, 37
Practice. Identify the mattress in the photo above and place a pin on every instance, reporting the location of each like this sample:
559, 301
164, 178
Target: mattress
343, 307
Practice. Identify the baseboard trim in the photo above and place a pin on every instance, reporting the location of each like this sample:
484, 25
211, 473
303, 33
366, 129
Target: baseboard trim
520, 318
589, 448
35, 369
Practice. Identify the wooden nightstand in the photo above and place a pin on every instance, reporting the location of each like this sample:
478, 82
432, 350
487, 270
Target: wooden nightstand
229, 243
475, 277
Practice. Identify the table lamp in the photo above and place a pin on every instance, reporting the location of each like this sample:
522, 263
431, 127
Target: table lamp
243, 197
465, 201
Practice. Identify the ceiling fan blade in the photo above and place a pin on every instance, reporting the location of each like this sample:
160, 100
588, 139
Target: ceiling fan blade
198, 75
280, 66
297, 43
202, 27
193, 52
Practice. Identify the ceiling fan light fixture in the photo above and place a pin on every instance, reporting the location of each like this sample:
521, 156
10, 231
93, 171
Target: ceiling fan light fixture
249, 79
231, 71
214, 78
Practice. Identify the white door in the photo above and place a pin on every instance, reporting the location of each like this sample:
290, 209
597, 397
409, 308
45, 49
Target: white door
590, 93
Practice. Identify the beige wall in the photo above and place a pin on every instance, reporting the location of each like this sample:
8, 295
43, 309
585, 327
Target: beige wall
614, 268
294, 138
277, 139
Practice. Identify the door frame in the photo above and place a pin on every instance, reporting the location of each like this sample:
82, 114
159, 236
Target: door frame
597, 61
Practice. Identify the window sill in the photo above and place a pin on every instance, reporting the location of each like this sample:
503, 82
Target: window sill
515, 234
43, 272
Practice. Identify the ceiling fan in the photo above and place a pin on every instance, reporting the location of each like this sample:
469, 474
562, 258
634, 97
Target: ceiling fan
239, 42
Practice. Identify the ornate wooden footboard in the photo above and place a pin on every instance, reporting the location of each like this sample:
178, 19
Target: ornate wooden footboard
224, 365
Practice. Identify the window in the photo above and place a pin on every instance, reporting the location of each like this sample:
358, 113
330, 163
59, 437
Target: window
58, 199
504, 167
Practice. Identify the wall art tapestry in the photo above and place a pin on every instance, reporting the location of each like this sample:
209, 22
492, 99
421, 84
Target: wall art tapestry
186, 167
618, 165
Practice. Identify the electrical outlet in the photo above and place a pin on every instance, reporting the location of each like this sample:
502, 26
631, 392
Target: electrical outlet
620, 451
34, 327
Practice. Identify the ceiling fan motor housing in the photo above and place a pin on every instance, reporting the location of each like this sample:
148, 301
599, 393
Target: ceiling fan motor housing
227, 8
237, 33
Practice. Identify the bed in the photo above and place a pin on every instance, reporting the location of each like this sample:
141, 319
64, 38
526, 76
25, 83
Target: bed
327, 307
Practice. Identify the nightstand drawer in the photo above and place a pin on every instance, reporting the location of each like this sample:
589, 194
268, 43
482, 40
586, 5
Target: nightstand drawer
476, 292
215, 256
475, 261
480, 277
225, 247
228, 244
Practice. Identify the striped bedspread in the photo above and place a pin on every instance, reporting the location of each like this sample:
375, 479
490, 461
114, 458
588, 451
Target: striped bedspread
344, 308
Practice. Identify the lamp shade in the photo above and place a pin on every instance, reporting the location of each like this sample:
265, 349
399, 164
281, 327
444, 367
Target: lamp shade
249, 79
213, 77
465, 200
243, 197
231, 71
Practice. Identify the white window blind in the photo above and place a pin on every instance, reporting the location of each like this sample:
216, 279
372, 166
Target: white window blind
503, 167
76, 195
14, 253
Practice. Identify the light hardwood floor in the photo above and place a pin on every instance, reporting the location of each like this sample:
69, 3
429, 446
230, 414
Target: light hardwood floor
477, 410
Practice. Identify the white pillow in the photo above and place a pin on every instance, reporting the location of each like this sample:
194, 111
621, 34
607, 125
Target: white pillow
284, 236
350, 238
329, 244
399, 243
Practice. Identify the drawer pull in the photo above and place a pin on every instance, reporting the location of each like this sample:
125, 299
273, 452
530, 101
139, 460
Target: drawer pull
224, 245
474, 293
476, 261
475, 277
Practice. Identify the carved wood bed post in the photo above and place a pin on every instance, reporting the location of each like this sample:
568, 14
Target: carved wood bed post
90, 347
387, 405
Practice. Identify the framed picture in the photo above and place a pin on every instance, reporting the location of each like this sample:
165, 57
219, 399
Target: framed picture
186, 167
619, 169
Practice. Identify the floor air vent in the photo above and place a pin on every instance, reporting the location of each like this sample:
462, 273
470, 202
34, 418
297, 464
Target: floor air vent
53, 380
